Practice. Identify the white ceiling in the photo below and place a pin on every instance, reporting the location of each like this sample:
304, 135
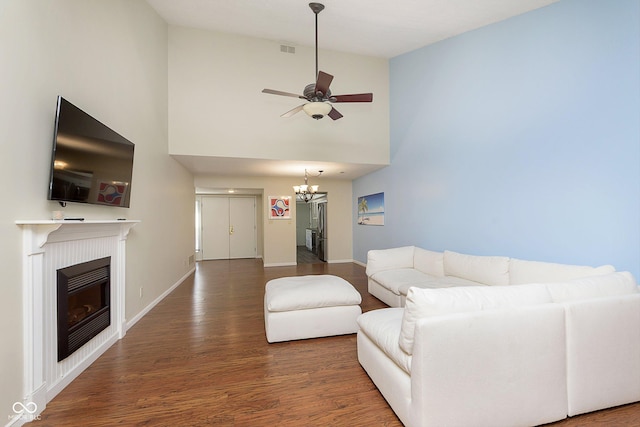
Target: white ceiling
366, 27
379, 28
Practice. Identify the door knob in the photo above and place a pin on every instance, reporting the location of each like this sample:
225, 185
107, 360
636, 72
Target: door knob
231, 229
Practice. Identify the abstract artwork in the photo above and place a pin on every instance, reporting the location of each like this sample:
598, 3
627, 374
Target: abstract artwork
279, 207
112, 193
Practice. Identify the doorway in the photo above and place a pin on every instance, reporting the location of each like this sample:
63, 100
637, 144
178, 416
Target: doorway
311, 230
228, 227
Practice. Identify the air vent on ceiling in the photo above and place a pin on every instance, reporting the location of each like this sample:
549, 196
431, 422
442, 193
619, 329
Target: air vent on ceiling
287, 49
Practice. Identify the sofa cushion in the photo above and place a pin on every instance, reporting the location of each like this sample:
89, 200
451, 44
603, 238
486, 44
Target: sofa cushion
619, 283
428, 262
521, 271
421, 303
389, 259
305, 292
437, 283
401, 277
383, 328
490, 270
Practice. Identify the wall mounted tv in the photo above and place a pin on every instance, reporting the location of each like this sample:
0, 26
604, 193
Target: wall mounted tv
90, 163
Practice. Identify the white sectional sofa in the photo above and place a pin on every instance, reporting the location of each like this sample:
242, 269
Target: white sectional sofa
391, 272
519, 355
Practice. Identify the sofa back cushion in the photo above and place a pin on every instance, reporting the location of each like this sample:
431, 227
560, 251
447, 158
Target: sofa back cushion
422, 303
607, 285
428, 262
389, 259
521, 271
490, 270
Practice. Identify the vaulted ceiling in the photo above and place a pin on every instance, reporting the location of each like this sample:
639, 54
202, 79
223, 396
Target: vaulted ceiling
380, 28
376, 28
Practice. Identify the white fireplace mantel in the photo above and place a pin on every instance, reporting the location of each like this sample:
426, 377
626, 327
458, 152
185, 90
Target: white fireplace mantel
47, 231
49, 245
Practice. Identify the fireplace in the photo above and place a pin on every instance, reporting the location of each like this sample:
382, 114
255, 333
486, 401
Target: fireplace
84, 309
50, 246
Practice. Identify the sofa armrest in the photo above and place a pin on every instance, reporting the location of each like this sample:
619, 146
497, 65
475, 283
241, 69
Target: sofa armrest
603, 352
389, 259
490, 368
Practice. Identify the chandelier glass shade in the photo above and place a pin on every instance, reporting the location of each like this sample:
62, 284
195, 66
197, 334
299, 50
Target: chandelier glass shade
305, 191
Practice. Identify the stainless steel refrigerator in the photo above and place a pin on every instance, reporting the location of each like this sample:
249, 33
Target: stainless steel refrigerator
322, 231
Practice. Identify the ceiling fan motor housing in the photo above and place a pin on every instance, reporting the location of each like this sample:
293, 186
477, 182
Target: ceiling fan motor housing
311, 94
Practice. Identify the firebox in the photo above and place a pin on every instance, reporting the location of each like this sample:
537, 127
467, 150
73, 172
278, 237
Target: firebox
83, 303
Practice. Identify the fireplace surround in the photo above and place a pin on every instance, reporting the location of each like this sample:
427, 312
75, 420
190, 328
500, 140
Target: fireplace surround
49, 246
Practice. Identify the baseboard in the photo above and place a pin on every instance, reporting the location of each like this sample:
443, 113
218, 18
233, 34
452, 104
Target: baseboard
281, 264
155, 302
332, 261
363, 264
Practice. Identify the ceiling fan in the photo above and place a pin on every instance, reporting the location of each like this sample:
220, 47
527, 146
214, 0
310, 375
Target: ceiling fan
318, 95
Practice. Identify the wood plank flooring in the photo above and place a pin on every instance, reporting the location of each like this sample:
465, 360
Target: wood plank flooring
305, 256
201, 358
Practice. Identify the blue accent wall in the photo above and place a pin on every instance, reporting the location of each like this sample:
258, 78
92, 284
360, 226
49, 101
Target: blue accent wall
521, 139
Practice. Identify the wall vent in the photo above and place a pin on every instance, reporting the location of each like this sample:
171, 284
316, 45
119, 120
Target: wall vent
287, 49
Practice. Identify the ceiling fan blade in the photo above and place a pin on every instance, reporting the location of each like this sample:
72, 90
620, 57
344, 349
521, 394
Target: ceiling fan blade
323, 82
293, 111
279, 92
356, 97
334, 114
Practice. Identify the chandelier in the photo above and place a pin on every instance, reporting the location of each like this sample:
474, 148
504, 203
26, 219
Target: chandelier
306, 192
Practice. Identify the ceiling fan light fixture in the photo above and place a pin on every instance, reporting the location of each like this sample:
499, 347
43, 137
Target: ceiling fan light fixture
317, 110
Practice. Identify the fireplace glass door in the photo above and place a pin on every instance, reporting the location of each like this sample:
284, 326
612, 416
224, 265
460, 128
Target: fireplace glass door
83, 303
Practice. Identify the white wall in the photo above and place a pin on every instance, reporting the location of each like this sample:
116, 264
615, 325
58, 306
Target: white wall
216, 107
279, 244
110, 58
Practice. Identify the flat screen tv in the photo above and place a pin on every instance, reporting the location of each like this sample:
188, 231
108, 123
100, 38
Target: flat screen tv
90, 162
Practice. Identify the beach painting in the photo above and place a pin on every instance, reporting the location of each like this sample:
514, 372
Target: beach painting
371, 209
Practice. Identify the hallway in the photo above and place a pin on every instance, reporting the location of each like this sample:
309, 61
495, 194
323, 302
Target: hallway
305, 256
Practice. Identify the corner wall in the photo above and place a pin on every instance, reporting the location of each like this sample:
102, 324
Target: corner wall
521, 138
109, 57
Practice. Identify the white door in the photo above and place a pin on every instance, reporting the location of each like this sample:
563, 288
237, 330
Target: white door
242, 226
228, 227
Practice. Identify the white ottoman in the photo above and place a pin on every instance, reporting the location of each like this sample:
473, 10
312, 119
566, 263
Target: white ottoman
310, 306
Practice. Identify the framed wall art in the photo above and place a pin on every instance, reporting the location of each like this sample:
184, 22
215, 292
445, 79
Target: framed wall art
371, 209
279, 207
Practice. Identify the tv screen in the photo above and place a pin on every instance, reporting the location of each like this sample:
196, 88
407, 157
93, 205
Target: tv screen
90, 163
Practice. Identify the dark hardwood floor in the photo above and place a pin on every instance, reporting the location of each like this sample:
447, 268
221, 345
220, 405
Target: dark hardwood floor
305, 256
200, 357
